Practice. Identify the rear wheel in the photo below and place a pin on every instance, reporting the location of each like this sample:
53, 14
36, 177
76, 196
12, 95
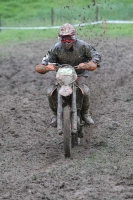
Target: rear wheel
67, 130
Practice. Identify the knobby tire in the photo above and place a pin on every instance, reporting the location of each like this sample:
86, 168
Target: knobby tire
67, 131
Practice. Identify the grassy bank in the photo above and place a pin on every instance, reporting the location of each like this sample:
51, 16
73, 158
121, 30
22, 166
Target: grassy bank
32, 13
112, 30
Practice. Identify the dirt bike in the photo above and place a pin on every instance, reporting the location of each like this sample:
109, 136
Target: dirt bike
69, 120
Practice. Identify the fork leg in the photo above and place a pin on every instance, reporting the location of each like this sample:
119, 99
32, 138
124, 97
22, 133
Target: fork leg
74, 111
59, 114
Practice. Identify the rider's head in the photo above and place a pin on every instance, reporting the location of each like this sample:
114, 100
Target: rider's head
67, 35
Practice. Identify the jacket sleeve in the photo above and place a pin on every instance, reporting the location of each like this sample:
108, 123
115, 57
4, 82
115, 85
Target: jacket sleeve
93, 54
51, 56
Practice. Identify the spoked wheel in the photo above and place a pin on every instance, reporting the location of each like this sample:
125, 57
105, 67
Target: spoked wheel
67, 130
74, 140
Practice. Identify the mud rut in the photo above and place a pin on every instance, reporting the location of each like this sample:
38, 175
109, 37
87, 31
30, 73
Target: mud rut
32, 163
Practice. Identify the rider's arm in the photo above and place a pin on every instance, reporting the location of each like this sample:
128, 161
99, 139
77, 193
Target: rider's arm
90, 66
95, 56
92, 63
42, 69
50, 57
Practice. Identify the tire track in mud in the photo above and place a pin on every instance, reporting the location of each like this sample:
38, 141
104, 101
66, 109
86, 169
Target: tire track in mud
32, 156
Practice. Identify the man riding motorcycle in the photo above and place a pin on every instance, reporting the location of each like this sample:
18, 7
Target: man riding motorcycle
75, 52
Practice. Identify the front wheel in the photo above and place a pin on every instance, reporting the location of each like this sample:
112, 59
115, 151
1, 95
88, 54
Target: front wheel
67, 130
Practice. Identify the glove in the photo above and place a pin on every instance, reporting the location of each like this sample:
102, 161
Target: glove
90, 66
40, 68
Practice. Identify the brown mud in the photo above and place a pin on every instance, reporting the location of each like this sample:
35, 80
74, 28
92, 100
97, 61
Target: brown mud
32, 163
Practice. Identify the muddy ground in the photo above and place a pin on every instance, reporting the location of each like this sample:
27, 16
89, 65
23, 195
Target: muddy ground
32, 163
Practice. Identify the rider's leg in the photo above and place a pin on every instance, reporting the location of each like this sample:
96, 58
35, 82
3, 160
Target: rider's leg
85, 112
52, 99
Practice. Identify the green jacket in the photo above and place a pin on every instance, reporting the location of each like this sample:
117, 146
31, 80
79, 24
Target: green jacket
80, 52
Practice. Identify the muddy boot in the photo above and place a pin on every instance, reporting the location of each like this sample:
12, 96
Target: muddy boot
85, 109
85, 112
87, 118
54, 121
52, 104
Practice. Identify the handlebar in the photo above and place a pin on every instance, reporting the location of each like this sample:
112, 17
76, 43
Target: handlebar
42, 68
91, 66
57, 66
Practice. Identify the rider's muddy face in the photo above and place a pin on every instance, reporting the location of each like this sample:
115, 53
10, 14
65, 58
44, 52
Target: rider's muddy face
67, 41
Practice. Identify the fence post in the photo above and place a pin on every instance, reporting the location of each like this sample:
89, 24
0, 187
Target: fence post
96, 16
52, 16
104, 26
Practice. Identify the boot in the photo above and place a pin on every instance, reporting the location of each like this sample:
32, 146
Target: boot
54, 121
87, 118
85, 110
52, 106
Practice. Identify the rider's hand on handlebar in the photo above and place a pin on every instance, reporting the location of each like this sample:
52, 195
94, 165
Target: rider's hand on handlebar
41, 68
90, 66
81, 65
56, 66
78, 67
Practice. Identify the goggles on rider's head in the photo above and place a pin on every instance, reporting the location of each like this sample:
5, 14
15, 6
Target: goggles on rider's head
67, 38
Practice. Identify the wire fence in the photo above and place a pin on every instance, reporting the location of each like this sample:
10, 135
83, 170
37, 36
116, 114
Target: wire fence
54, 27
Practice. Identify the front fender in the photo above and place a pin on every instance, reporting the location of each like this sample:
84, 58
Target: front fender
65, 90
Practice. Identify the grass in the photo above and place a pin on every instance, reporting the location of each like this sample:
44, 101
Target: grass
26, 13
112, 30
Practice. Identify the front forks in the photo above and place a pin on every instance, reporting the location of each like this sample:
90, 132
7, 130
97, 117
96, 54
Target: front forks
74, 111
59, 114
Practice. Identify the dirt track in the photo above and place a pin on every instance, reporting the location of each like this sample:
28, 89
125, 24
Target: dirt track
32, 163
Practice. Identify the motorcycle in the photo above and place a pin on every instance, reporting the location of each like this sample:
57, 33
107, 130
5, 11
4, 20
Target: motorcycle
69, 98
